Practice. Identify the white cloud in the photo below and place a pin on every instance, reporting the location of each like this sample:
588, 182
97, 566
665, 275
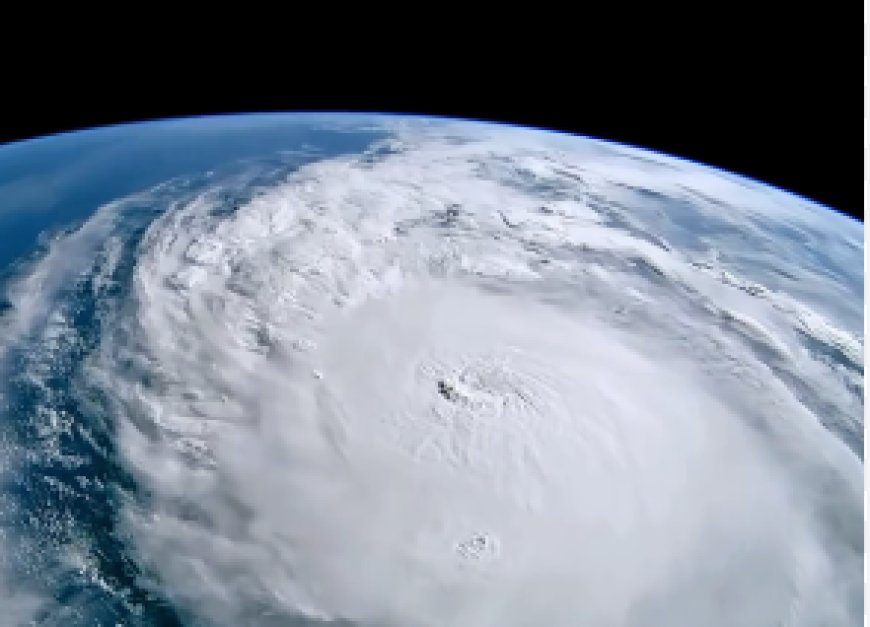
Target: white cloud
599, 442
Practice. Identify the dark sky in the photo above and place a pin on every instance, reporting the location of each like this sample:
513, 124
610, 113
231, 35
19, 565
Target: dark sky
766, 100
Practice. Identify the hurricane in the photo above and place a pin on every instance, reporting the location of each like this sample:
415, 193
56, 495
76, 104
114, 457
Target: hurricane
461, 374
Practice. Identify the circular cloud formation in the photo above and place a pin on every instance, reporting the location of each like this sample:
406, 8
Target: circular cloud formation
484, 376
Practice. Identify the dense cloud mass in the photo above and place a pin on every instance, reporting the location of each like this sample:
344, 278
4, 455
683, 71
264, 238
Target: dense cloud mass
474, 376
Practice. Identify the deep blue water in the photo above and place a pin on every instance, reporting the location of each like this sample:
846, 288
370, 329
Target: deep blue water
53, 181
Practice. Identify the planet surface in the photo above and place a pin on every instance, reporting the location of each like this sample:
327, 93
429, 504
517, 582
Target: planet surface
313, 370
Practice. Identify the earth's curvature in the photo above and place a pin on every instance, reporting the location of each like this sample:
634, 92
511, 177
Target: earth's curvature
376, 370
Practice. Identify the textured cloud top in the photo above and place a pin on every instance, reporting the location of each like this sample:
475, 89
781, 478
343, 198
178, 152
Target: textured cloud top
473, 376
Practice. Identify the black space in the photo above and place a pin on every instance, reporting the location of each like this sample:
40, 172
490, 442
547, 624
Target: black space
774, 101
